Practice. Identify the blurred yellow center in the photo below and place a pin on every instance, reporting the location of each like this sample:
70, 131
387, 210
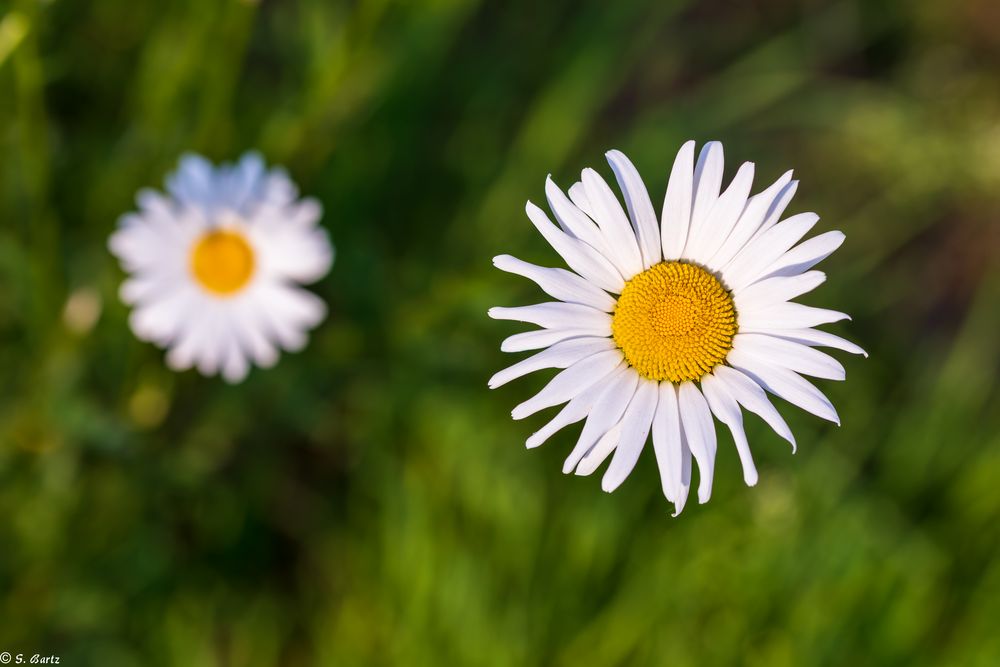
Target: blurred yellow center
674, 321
222, 261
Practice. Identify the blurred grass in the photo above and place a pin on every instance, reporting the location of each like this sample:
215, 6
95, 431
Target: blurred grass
369, 501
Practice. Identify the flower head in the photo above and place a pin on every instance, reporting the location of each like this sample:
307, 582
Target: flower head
662, 323
215, 266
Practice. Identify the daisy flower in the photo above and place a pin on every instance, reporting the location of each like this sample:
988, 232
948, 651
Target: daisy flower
661, 324
215, 266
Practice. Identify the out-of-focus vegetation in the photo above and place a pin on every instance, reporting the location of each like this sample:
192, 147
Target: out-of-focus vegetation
369, 501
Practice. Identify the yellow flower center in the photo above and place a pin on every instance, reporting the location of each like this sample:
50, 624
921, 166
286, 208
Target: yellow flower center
222, 261
674, 321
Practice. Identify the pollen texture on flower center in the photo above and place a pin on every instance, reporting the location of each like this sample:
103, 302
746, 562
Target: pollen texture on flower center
674, 321
222, 261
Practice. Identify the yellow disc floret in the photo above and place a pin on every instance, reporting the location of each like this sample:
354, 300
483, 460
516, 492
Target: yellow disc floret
674, 321
222, 261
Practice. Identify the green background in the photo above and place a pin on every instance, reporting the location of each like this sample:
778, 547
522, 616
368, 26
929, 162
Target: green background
369, 501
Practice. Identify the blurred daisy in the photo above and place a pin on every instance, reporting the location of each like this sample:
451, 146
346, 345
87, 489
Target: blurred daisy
661, 324
215, 266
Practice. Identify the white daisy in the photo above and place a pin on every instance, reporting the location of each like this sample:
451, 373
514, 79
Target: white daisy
663, 323
215, 266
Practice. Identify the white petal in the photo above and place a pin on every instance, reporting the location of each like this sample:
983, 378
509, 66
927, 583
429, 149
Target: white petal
146, 287
233, 364
673, 457
686, 468
574, 221
252, 334
578, 255
707, 184
613, 222
607, 410
600, 451
276, 188
749, 222
159, 321
191, 341
210, 357
578, 195
248, 179
635, 429
787, 384
726, 409
570, 382
295, 305
287, 312
238, 188
676, 217
696, 420
236, 365
144, 242
806, 255
705, 240
787, 315
815, 337
578, 408
249, 172
157, 208
534, 340
640, 208
561, 355
289, 243
751, 396
558, 283
557, 315
791, 355
777, 208
193, 183
775, 290
749, 265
